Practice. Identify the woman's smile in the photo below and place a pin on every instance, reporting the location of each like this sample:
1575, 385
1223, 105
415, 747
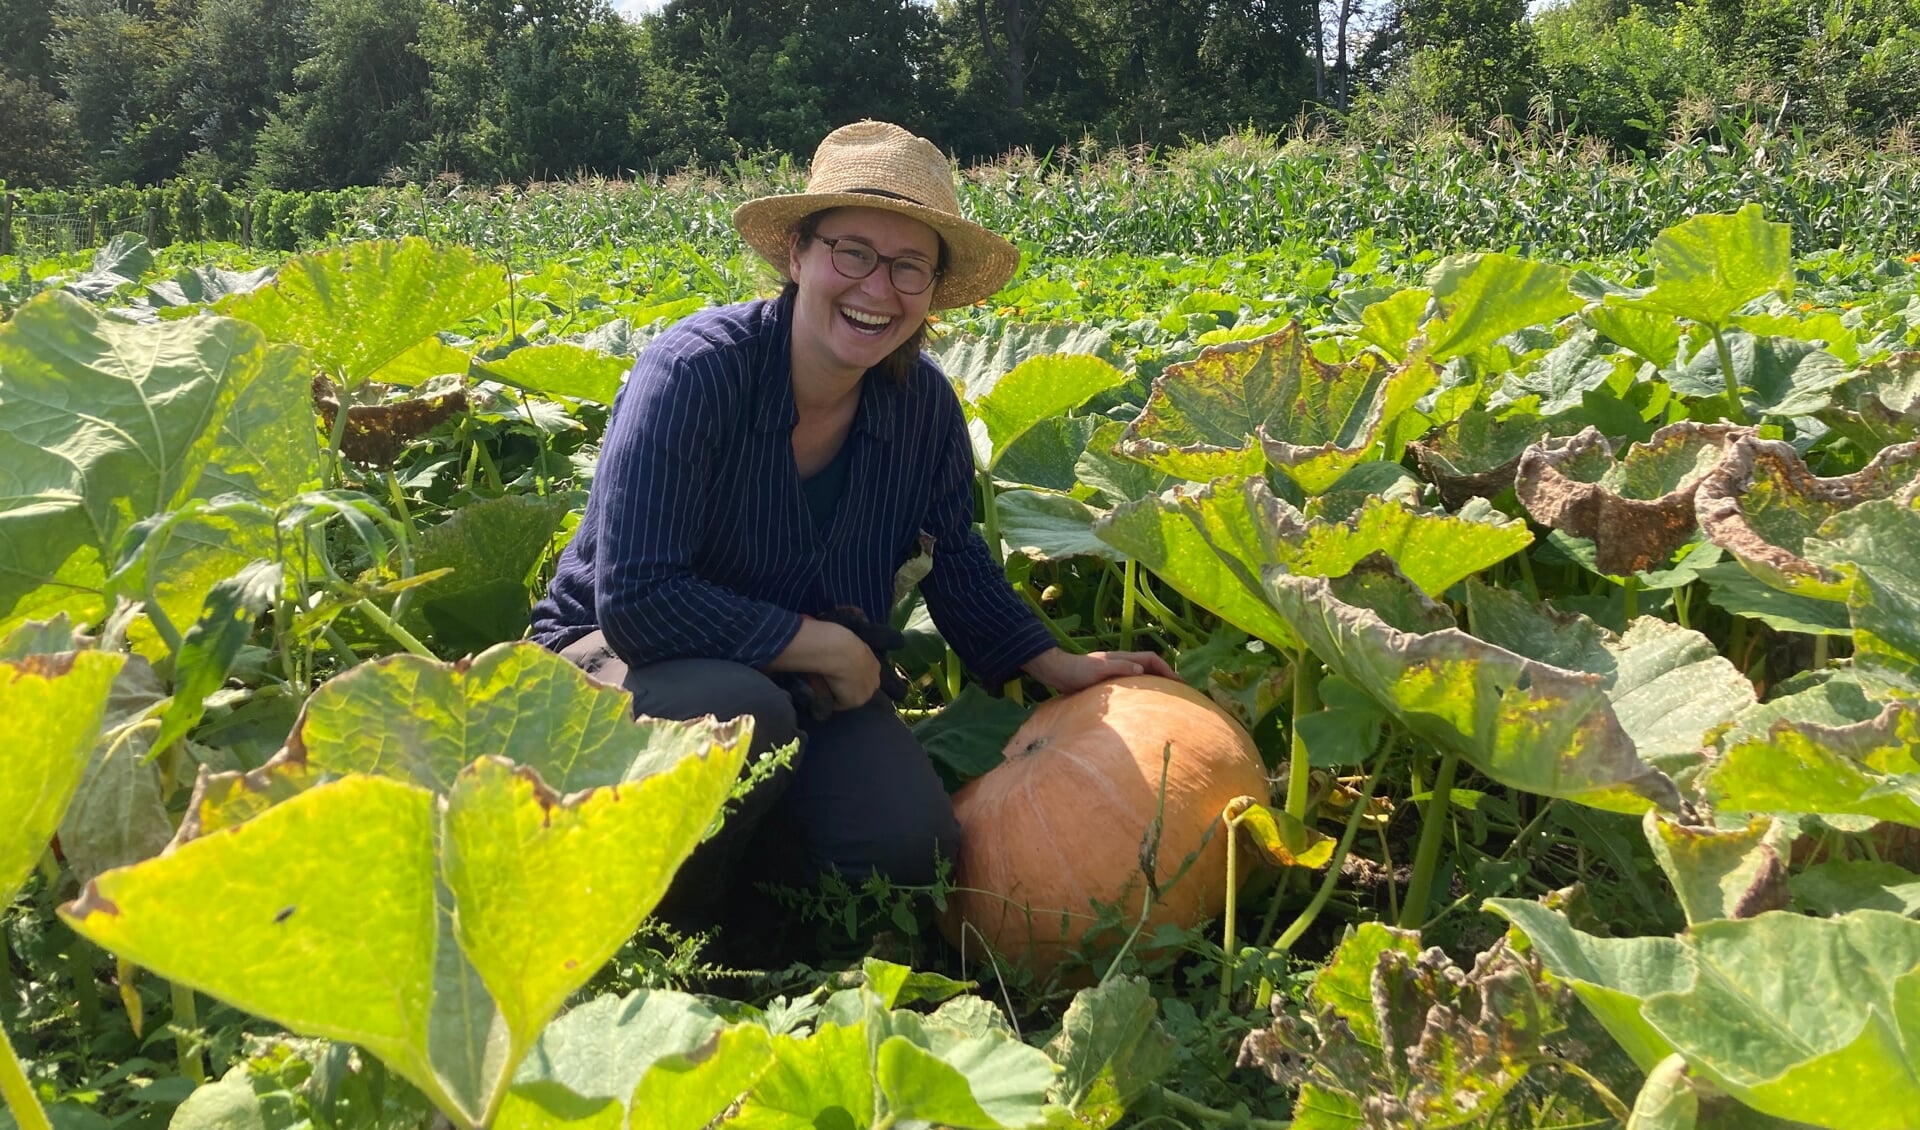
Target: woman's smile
844, 326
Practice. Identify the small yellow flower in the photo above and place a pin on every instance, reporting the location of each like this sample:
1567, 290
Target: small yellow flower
1805, 306
1915, 258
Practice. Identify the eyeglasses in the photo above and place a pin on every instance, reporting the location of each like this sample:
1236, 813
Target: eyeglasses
910, 274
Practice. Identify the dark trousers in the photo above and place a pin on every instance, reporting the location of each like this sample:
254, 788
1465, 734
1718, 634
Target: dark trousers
861, 797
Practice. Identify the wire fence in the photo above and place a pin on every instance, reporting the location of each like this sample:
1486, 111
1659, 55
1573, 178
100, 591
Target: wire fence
46, 234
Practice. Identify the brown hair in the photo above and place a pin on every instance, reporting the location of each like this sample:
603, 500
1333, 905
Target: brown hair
900, 364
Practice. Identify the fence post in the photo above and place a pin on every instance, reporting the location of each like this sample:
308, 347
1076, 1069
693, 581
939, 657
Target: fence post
6, 223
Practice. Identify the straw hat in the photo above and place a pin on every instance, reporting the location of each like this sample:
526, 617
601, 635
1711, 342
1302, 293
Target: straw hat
877, 165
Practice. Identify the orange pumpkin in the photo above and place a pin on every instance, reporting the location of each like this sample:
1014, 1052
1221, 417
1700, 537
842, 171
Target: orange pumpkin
1059, 825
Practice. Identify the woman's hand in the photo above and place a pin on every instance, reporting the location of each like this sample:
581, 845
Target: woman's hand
826, 649
1066, 672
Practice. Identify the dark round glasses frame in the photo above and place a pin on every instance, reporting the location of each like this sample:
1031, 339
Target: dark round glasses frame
865, 260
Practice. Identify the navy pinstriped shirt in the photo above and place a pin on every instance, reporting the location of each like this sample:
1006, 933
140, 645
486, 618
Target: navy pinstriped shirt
697, 540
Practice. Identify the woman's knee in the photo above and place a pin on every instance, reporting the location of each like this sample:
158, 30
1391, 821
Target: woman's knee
905, 849
689, 688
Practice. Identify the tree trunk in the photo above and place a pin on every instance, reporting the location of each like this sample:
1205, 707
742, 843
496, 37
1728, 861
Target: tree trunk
1012, 58
1319, 54
1343, 69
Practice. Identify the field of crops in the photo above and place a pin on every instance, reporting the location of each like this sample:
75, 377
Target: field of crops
1573, 603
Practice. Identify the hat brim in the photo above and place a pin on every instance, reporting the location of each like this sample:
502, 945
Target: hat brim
978, 261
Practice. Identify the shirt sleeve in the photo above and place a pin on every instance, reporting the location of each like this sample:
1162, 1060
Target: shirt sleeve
652, 491
990, 627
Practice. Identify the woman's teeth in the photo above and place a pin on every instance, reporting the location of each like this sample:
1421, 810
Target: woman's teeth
864, 322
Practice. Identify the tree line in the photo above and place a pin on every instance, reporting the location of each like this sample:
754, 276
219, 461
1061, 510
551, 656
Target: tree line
328, 93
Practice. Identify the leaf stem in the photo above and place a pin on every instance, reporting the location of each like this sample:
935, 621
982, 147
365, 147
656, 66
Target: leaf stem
990, 519
1205, 1113
1332, 878
400, 635
1601, 1091
186, 1020
1129, 603
1736, 411
1426, 857
1232, 908
1630, 597
18, 1091
1305, 700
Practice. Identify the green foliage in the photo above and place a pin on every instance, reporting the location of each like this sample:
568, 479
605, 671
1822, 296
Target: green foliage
162, 424
473, 805
1719, 998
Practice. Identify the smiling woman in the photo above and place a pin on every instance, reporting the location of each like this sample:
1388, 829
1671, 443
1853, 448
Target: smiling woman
771, 465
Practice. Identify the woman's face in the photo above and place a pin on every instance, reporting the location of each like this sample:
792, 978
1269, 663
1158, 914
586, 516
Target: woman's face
850, 325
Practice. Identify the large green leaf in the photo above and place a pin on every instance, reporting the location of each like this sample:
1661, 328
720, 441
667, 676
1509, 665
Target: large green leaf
120, 263
1114, 476
119, 812
1878, 543
603, 1048
426, 359
519, 859
360, 305
1526, 724
459, 964
1048, 455
1792, 1015
206, 285
1393, 322
1210, 545
492, 547
869, 1067
1778, 376
51, 708
1840, 886
1762, 505
1721, 872
1880, 403
1869, 768
1706, 268
421, 721
696, 1088
1826, 329
1049, 527
1886, 635
1637, 508
1669, 687
1651, 335
1477, 455
1110, 1049
1312, 418
966, 738
105, 423
324, 911
1435, 551
976, 363
211, 645
1611, 976
1480, 298
1345, 984
1738, 591
559, 368
1038, 389
1563, 380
